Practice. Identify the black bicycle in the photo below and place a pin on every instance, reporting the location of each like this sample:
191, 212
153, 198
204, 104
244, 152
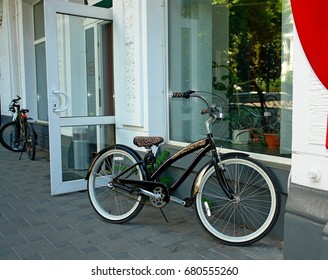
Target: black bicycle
19, 135
235, 196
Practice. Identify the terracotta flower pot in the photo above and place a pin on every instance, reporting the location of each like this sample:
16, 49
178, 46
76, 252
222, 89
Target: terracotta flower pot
272, 140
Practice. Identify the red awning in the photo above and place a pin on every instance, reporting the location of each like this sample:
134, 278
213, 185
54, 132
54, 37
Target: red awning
311, 24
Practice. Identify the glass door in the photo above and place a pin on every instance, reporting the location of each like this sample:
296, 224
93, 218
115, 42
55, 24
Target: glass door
80, 89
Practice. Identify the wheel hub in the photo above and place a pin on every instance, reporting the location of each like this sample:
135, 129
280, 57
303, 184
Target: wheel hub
236, 200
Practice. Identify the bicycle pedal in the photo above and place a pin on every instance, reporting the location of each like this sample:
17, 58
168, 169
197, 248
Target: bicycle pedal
189, 201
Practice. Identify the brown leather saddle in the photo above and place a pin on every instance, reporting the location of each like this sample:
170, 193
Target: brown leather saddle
147, 141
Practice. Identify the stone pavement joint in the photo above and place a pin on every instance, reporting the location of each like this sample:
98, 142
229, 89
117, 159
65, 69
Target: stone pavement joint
35, 225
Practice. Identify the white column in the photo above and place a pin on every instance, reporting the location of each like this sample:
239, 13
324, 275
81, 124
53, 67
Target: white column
139, 68
9, 8
306, 207
310, 111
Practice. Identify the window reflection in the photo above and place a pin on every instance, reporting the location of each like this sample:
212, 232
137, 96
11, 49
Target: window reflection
240, 52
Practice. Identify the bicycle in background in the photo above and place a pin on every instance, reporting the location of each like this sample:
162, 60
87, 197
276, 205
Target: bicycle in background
236, 197
19, 134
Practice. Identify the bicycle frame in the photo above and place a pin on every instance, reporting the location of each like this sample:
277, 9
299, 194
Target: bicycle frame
204, 146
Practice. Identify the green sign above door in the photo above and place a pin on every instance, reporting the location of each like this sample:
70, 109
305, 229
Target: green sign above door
102, 3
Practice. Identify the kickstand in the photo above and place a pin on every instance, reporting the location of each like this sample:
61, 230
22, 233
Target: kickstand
164, 215
24, 146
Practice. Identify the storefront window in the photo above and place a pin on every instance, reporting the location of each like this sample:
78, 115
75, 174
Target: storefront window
40, 61
240, 53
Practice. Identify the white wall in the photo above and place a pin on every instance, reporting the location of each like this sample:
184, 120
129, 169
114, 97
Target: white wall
310, 111
15, 74
139, 69
7, 83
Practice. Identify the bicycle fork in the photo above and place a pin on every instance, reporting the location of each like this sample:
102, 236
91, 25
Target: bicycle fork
219, 171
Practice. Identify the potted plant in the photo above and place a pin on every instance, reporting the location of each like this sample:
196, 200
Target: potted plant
241, 137
240, 133
271, 130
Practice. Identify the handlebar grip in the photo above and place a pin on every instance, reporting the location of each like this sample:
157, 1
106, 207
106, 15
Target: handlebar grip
185, 94
204, 111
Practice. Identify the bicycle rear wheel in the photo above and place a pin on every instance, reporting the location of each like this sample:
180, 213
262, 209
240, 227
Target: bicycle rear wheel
30, 141
10, 137
110, 202
253, 212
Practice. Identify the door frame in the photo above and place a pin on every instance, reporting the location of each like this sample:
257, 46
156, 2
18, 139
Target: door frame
51, 9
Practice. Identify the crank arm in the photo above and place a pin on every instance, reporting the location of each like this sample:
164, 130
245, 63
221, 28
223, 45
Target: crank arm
145, 187
137, 189
150, 194
177, 200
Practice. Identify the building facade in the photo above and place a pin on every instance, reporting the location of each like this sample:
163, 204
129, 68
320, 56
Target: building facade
94, 73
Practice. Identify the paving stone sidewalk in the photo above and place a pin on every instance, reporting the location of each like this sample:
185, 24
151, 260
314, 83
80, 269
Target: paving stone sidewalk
35, 225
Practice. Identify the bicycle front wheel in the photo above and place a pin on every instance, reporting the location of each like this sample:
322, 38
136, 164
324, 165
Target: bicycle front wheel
251, 214
10, 137
30, 141
112, 203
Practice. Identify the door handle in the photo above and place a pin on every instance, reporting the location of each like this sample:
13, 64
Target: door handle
55, 106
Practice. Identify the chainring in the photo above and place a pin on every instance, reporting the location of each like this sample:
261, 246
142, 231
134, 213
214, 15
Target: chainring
159, 202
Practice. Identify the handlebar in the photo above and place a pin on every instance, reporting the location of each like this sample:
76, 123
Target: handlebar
211, 108
14, 103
